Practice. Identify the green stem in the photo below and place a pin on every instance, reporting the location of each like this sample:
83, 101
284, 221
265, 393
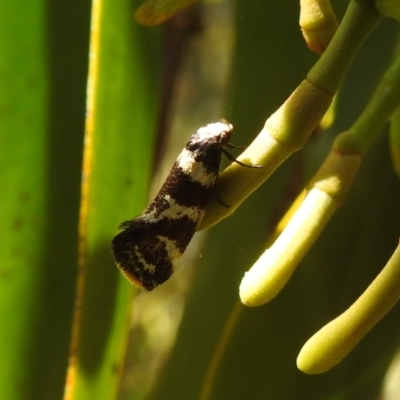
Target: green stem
360, 19
383, 104
326, 192
395, 141
289, 127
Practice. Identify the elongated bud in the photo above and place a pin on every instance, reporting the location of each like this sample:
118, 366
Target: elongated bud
318, 24
335, 340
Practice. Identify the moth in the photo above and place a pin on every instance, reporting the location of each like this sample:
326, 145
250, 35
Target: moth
148, 245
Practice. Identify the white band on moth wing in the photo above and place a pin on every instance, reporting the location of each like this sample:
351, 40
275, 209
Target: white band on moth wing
195, 169
177, 211
148, 267
174, 211
170, 247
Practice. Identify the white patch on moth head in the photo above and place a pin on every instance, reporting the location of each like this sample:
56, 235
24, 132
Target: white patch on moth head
195, 169
215, 129
170, 247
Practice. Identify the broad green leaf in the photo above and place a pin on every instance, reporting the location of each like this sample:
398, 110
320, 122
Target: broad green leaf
43, 68
121, 118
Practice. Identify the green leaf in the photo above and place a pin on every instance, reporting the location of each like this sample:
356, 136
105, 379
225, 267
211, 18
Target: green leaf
42, 77
121, 120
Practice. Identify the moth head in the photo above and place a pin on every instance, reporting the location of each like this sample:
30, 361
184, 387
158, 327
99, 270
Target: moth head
217, 133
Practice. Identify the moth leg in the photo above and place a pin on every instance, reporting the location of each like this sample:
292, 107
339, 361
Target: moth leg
229, 156
222, 203
233, 146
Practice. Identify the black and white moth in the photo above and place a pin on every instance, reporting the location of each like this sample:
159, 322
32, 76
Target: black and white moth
148, 245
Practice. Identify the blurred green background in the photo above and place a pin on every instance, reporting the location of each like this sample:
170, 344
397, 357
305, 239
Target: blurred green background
44, 60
